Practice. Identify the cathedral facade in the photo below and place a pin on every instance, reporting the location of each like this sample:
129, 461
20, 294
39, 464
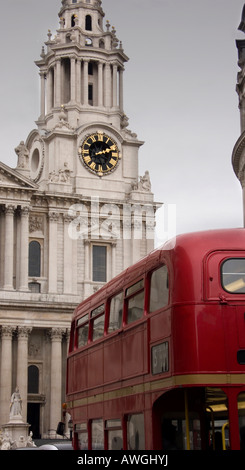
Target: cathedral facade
73, 213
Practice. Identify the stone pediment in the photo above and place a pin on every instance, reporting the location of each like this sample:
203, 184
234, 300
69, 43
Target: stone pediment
10, 178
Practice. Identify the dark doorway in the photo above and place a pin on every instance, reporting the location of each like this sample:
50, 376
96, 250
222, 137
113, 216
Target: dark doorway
33, 418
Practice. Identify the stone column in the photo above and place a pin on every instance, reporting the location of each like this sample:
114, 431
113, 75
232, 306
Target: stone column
73, 79
9, 248
85, 82
136, 237
79, 83
68, 256
114, 103
86, 260
113, 259
121, 89
24, 248
22, 366
56, 379
100, 84
49, 90
6, 373
52, 274
2, 250
58, 83
107, 85
42, 97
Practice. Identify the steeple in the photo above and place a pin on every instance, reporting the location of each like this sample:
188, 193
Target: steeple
83, 137
81, 68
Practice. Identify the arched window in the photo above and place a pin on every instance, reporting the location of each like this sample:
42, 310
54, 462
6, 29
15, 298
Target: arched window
74, 1
33, 379
73, 20
88, 23
34, 259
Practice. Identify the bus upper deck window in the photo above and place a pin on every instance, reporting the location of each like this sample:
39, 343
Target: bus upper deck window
233, 275
98, 318
135, 301
83, 326
159, 290
116, 309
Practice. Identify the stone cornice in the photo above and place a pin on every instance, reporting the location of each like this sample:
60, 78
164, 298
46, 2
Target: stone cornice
19, 181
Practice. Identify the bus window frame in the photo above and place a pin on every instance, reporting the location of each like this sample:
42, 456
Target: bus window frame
86, 321
108, 311
213, 288
222, 273
72, 341
148, 289
127, 298
93, 318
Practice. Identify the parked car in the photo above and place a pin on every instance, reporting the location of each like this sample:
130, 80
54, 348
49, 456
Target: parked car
59, 445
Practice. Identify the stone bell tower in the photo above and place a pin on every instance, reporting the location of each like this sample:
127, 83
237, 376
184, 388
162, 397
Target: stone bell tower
73, 213
81, 72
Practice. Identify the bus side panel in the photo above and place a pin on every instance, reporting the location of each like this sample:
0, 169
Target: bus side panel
160, 325
198, 339
113, 360
80, 369
95, 366
134, 354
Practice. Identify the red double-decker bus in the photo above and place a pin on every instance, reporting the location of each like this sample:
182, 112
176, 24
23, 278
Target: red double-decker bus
157, 356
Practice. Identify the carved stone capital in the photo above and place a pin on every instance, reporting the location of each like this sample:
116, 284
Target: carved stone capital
56, 334
24, 332
7, 331
24, 211
9, 209
53, 217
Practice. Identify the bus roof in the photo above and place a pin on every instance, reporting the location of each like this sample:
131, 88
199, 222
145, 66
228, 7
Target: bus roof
186, 249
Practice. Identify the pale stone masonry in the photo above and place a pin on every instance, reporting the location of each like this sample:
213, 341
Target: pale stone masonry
73, 213
238, 155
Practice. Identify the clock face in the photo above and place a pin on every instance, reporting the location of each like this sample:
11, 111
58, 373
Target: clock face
99, 153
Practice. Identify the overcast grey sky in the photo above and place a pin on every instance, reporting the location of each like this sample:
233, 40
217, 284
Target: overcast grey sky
179, 95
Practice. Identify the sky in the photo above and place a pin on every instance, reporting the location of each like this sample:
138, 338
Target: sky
179, 95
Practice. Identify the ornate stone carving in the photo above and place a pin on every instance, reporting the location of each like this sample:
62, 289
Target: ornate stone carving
7, 331
36, 223
24, 332
9, 209
56, 334
144, 183
61, 176
53, 216
34, 349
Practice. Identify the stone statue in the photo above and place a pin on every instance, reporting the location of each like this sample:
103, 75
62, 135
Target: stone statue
23, 155
145, 182
6, 441
16, 405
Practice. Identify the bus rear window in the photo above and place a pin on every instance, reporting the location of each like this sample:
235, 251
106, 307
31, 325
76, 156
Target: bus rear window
233, 275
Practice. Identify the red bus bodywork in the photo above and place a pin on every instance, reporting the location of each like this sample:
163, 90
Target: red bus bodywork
174, 377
